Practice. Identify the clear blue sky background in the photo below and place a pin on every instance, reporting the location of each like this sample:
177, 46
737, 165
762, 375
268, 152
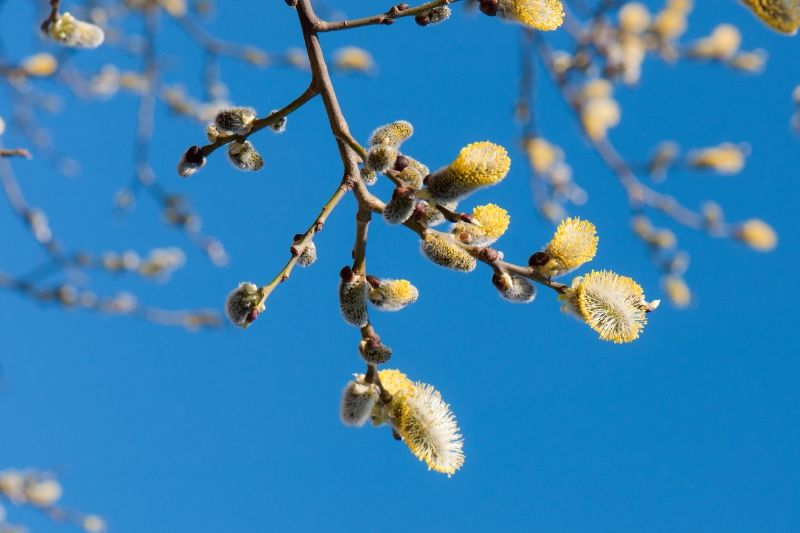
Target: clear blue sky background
693, 427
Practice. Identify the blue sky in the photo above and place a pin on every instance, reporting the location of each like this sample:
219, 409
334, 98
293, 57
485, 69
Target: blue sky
692, 427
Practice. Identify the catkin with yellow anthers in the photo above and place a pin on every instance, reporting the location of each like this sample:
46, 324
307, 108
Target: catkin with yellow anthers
443, 251
677, 290
373, 352
612, 305
393, 134
395, 381
398, 209
244, 156
244, 304
39, 65
478, 165
69, 31
538, 14
381, 157
392, 294
574, 243
514, 288
492, 222
780, 15
432, 216
428, 428
353, 301
727, 158
368, 176
757, 234
411, 177
191, 161
309, 255
358, 399
598, 115
237, 120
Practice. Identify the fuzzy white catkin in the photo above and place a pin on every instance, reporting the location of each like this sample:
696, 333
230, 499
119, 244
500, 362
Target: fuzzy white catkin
353, 301
358, 399
398, 210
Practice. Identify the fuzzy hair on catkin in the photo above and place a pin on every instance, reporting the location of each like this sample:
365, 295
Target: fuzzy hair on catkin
244, 156
353, 301
393, 294
398, 210
237, 120
393, 134
381, 157
191, 161
368, 176
374, 355
74, 33
519, 290
443, 251
239, 303
308, 256
438, 14
280, 126
358, 400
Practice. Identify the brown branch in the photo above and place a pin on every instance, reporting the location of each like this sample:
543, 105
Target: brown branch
385, 19
21, 152
261, 123
54, 5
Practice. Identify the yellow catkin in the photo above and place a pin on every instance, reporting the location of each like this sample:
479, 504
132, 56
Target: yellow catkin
477, 165
612, 305
780, 15
538, 14
573, 244
492, 224
758, 235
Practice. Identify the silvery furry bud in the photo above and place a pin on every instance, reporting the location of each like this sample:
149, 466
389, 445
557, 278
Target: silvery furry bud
236, 120
243, 304
353, 298
358, 399
308, 256
373, 352
244, 156
191, 161
280, 126
381, 157
399, 209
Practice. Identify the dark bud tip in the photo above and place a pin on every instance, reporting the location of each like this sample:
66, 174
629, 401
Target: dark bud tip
466, 218
402, 191
194, 155
346, 273
320, 225
294, 250
539, 259
488, 7
251, 316
419, 212
387, 21
464, 237
374, 342
422, 20
396, 435
298, 237
498, 282
426, 179
375, 282
401, 163
489, 255
403, 6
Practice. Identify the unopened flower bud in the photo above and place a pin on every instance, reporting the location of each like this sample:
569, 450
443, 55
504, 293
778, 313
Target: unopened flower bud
368, 176
422, 20
402, 6
244, 304
514, 288
308, 256
400, 163
69, 31
488, 7
373, 280
373, 352
538, 259
347, 274
398, 209
438, 14
280, 126
411, 177
443, 251
191, 161
244, 156
236, 120
358, 399
353, 299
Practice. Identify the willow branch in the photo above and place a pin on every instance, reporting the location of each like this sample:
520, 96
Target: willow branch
385, 19
261, 123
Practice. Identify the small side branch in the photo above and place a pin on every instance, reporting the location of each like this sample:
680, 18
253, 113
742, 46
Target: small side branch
384, 19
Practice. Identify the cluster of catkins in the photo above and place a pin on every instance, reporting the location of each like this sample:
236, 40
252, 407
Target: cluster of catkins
235, 122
